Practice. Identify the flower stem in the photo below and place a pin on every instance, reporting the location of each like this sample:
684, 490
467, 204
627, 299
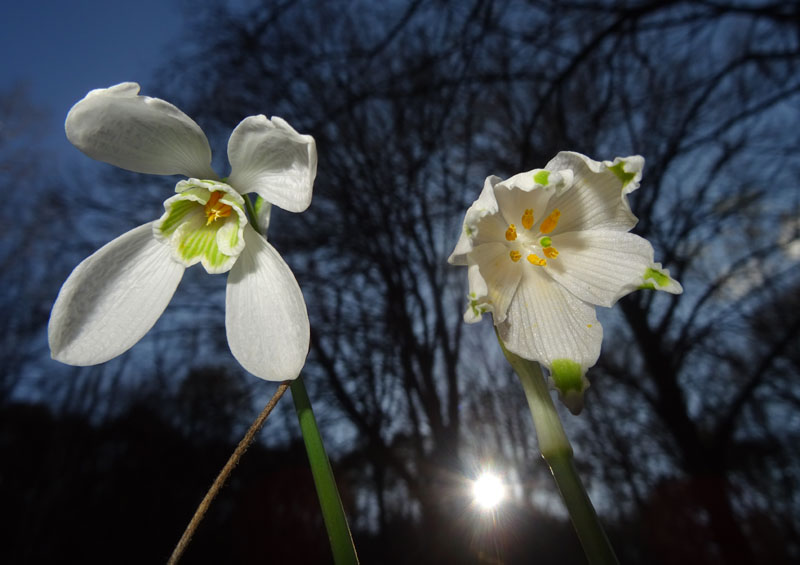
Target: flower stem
557, 452
223, 475
344, 552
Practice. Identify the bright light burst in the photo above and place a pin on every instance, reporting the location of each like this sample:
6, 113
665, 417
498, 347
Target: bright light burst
488, 491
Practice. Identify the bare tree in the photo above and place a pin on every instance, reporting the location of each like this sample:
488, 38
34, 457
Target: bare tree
692, 415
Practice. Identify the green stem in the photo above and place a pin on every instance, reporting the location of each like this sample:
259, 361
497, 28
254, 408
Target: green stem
344, 552
557, 452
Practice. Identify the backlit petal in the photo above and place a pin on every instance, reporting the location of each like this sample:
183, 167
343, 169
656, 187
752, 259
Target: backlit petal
500, 274
138, 133
265, 313
596, 197
519, 193
113, 298
600, 267
545, 323
270, 158
485, 205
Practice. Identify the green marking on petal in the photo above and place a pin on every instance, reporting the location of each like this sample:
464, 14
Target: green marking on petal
203, 223
175, 215
619, 170
567, 375
660, 278
542, 177
234, 239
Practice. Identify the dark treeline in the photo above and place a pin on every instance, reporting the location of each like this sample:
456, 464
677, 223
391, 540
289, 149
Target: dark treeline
688, 442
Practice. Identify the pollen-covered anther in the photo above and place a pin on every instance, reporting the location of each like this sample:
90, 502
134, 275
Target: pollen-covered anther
214, 209
536, 260
527, 219
511, 232
550, 252
515, 255
551, 221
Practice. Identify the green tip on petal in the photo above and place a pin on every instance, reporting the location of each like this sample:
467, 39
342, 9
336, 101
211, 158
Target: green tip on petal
568, 380
619, 170
657, 279
541, 177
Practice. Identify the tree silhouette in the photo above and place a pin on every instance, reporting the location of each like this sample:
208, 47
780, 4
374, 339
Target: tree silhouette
688, 437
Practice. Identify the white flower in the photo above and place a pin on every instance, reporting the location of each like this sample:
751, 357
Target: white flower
545, 247
116, 295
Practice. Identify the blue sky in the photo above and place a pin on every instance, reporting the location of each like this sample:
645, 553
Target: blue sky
63, 49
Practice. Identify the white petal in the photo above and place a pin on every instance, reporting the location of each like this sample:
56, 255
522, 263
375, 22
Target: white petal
484, 205
600, 266
520, 193
270, 158
478, 295
138, 133
501, 276
265, 314
113, 298
596, 197
545, 323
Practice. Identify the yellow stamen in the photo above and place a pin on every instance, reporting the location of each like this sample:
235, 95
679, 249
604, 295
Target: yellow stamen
515, 255
536, 260
527, 219
214, 209
511, 232
551, 252
550, 222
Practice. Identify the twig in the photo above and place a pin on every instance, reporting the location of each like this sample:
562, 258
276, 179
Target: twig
223, 475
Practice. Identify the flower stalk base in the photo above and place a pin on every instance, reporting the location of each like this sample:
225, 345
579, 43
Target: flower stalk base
557, 452
344, 551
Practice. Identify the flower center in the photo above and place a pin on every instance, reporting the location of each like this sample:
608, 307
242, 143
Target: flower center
530, 243
214, 209
203, 223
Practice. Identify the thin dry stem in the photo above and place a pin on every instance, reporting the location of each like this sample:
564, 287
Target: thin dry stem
223, 475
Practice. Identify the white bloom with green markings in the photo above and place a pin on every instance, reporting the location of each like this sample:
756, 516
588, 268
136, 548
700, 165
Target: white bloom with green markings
543, 248
113, 298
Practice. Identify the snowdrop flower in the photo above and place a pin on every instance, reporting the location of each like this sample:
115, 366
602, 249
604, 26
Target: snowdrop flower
543, 248
116, 295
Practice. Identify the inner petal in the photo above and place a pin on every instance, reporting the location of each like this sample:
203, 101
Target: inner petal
204, 224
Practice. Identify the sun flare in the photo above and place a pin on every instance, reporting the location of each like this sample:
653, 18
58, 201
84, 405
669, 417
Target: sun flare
488, 491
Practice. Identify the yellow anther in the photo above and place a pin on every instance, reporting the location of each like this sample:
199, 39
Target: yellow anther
511, 232
550, 222
551, 252
527, 219
214, 209
536, 260
515, 255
